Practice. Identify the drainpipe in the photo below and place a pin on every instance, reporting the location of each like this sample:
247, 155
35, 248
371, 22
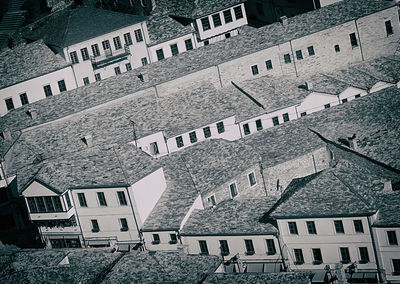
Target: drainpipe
262, 176
378, 264
294, 59
359, 39
280, 249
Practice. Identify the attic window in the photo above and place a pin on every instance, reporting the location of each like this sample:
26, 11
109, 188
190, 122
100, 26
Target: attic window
32, 113
88, 140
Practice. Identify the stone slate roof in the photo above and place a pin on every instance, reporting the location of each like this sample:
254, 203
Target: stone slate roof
297, 277
231, 217
72, 26
27, 61
389, 210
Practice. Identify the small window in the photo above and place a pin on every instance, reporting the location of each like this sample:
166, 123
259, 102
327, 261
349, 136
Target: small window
117, 70
358, 226
128, 39
95, 50
344, 101
49, 204
61, 86
317, 255
238, 12
285, 117
396, 266
344, 255
95, 226
9, 103
121, 198
173, 239
40, 204
299, 55
105, 44
353, 40
207, 132
160, 54
102, 199
271, 250
252, 179
339, 226
327, 106
220, 127
357, 96
144, 61
47, 91
156, 239
154, 148
228, 16
364, 257
293, 228
254, 69
211, 200
337, 48
97, 76
128, 67
310, 50
275, 121
193, 137
117, 42
259, 125
392, 238
298, 256
268, 64
124, 224
24, 99
303, 114
68, 201
74, 57
223, 244
203, 247
311, 228
179, 141
205, 23
188, 44
174, 49
227, 35
32, 204
287, 59
233, 190
249, 247
86, 81
206, 42
216, 20
389, 28
246, 129
138, 35
85, 53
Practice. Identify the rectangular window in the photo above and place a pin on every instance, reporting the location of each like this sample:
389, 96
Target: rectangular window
40, 204
117, 70
9, 104
173, 239
95, 226
249, 247
310, 50
268, 63
57, 203
298, 255
49, 204
179, 141
47, 91
327, 106
396, 266
392, 238
207, 132
32, 204
86, 81
188, 44
275, 121
254, 69
287, 59
238, 12
303, 114
216, 20
206, 42
259, 124
353, 40
193, 137
220, 127
389, 28
82, 200
311, 227
74, 57
233, 190
128, 39
205, 23
227, 35
160, 54
102, 199
144, 61
357, 96
345, 255
61, 86
271, 247
285, 117
117, 42
124, 224
128, 67
293, 228
299, 55
68, 200
174, 49
337, 48
156, 239
228, 16
105, 44
154, 148
317, 256
95, 50
121, 198
138, 35
223, 244
211, 200
252, 179
24, 99
344, 101
364, 257
97, 76
85, 53
358, 226
339, 226
246, 129
203, 247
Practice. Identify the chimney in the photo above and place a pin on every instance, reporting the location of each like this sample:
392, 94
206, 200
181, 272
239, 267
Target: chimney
387, 187
88, 140
32, 113
144, 77
283, 20
309, 86
5, 135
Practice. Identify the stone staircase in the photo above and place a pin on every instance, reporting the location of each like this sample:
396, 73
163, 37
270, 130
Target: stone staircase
12, 20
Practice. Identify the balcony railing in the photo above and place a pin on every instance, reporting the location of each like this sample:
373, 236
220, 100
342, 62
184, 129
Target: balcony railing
110, 57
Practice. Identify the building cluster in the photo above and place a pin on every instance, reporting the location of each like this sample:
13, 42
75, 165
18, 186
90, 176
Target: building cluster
275, 150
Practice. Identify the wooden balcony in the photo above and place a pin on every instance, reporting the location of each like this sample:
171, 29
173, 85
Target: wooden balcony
110, 57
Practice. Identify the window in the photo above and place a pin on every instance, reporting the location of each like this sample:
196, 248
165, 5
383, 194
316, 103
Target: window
271, 247
249, 247
238, 12
85, 54
206, 42
128, 39
252, 179
47, 91
268, 63
228, 16
223, 244
86, 81
61, 86
345, 255
337, 48
353, 40
117, 70
117, 42
310, 50
339, 226
357, 96
364, 257
32, 204
95, 50
299, 54
188, 44
160, 54
220, 127
303, 114
174, 49
49, 204
311, 227
285, 117
254, 69
216, 20
173, 239
121, 198
344, 101
124, 224
95, 226
24, 99
205, 23
327, 106
358, 226
156, 239
275, 121
57, 203
396, 266
207, 132
193, 137
233, 190
128, 67
317, 256
9, 104
259, 124
211, 200
227, 35
179, 141
144, 61
106, 44
246, 129
286, 57
97, 76
203, 247
68, 200
389, 28
102, 199
293, 228
138, 35
74, 57
154, 148
298, 255
392, 238
40, 204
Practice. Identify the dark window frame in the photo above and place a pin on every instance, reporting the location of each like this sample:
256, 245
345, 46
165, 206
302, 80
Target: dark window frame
238, 12
179, 141
293, 228
228, 16
82, 199
62, 86
122, 198
217, 22
268, 64
24, 99
85, 54
205, 24
311, 50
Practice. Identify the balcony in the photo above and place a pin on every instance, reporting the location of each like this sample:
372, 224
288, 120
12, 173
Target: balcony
110, 57
39, 216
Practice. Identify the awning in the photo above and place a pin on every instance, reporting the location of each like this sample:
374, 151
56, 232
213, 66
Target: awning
255, 267
319, 276
98, 243
272, 267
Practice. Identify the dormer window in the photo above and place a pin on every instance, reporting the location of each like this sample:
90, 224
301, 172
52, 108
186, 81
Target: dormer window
211, 200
